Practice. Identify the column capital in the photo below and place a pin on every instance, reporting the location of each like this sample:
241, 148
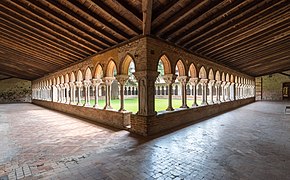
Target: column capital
122, 79
87, 83
223, 83
169, 78
193, 81
218, 83
79, 84
71, 84
66, 85
108, 80
211, 82
183, 79
96, 82
203, 81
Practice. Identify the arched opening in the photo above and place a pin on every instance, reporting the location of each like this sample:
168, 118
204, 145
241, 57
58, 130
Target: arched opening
181, 80
72, 85
164, 69
128, 86
98, 86
211, 87
87, 89
203, 86
79, 85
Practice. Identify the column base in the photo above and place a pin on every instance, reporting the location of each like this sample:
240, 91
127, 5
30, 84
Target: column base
184, 106
204, 104
96, 106
79, 104
108, 107
87, 105
194, 105
122, 110
170, 109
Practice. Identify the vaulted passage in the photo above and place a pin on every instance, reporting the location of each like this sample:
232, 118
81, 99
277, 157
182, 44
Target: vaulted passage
251, 142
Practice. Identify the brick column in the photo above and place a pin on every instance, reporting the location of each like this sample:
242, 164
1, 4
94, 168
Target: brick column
122, 79
146, 84
169, 80
108, 81
194, 82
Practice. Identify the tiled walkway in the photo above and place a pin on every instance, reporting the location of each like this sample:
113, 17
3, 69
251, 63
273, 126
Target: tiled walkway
252, 142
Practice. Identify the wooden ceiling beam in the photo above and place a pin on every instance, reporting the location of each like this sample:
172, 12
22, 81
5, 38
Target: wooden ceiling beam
44, 29
31, 12
102, 7
131, 9
179, 17
46, 50
247, 36
162, 11
147, 15
252, 16
27, 76
46, 13
226, 13
252, 41
97, 18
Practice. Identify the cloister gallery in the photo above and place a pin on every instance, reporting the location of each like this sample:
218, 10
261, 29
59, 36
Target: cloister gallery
182, 75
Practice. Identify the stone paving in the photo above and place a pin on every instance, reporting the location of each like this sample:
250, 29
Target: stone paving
252, 142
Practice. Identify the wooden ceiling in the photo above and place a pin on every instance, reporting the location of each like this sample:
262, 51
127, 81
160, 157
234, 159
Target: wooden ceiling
39, 37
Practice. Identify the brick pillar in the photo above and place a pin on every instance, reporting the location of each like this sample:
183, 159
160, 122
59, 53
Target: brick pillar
146, 83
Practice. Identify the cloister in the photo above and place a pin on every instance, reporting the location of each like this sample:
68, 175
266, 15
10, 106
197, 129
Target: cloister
144, 89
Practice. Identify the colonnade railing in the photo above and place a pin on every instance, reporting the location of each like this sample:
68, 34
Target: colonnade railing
70, 92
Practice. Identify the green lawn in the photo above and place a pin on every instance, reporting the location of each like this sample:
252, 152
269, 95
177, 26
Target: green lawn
132, 104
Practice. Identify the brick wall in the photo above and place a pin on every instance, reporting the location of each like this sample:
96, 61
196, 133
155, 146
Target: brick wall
272, 86
15, 90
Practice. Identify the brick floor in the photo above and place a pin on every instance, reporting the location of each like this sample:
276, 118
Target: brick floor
252, 142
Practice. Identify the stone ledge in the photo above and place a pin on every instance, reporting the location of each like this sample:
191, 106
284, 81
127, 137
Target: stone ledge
112, 118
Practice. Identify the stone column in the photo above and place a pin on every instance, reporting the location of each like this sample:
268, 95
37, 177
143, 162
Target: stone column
194, 82
233, 91
146, 83
211, 84
72, 93
122, 79
204, 91
223, 91
169, 80
183, 81
66, 87
218, 88
227, 86
87, 85
96, 84
108, 81
79, 86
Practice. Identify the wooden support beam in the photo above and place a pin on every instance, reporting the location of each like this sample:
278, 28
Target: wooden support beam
147, 15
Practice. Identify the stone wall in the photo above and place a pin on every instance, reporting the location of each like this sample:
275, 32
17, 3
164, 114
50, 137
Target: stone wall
112, 118
272, 86
14, 90
151, 125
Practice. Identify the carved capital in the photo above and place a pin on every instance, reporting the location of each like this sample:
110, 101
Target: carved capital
193, 81
211, 82
122, 79
87, 83
183, 79
148, 75
203, 81
108, 80
79, 84
169, 78
97, 82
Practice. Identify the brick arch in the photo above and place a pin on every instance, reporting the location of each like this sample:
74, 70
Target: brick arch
58, 80
166, 64
218, 75
80, 76
192, 72
202, 73
181, 68
227, 77
72, 77
223, 76
98, 72
232, 79
66, 78
88, 74
111, 66
211, 74
125, 64
61, 79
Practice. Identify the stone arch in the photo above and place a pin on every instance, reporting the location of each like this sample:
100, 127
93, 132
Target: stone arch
98, 73
110, 68
217, 75
72, 77
202, 73
232, 79
181, 68
223, 77
126, 64
66, 78
166, 64
192, 71
227, 77
211, 74
80, 76
88, 74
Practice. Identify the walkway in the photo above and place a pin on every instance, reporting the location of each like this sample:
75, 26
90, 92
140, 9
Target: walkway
252, 142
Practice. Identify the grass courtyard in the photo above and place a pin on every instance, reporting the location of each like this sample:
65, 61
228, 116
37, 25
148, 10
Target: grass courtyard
132, 104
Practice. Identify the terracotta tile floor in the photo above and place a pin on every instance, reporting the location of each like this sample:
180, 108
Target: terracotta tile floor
252, 142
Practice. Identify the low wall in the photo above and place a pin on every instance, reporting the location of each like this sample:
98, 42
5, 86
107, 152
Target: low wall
164, 121
14, 90
112, 118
